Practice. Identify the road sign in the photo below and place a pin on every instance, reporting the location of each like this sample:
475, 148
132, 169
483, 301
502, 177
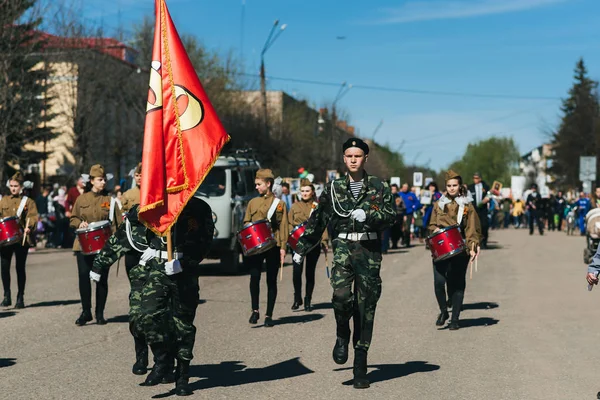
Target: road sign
587, 187
587, 169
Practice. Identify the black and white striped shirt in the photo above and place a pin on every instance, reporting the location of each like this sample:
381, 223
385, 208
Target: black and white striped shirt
355, 188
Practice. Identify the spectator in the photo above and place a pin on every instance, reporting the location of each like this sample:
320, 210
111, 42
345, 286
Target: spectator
286, 195
506, 207
42, 201
517, 212
412, 204
73, 194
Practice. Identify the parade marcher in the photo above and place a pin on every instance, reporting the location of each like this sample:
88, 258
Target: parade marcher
93, 206
454, 207
412, 204
164, 294
286, 196
359, 208
400, 211
299, 213
560, 204
131, 198
535, 206
24, 208
583, 206
268, 207
480, 193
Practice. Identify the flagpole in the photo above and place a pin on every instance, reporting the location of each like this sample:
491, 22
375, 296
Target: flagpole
169, 246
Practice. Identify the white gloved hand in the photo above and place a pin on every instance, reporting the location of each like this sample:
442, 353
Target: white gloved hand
94, 276
173, 267
359, 215
297, 258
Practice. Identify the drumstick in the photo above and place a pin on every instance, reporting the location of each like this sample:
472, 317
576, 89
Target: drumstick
327, 265
281, 271
471, 273
118, 265
473, 247
25, 236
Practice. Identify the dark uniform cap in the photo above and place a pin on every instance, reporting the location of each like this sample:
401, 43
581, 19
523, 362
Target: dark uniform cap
355, 142
477, 174
17, 177
264, 174
138, 169
452, 175
97, 171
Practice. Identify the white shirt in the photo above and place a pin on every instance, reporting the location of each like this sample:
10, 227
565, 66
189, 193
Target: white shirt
478, 193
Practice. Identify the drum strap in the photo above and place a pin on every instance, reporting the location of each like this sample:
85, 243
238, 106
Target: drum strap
273, 208
113, 201
22, 206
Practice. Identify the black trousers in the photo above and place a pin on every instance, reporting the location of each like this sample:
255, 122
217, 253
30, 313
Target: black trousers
84, 266
131, 260
482, 213
451, 273
396, 234
551, 224
311, 260
560, 220
535, 217
6, 253
254, 264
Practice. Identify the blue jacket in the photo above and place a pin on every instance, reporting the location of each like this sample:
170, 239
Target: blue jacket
583, 206
411, 202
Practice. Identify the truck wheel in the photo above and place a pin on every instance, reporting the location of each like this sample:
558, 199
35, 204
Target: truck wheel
230, 262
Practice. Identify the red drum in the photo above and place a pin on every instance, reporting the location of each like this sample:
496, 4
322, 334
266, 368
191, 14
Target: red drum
446, 243
93, 237
10, 231
256, 237
295, 235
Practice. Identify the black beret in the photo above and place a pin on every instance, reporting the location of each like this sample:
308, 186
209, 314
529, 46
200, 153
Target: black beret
355, 142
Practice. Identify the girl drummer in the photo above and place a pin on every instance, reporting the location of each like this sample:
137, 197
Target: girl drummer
25, 210
299, 213
454, 208
266, 207
92, 206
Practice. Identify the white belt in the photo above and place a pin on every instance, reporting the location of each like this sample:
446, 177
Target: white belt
163, 255
358, 236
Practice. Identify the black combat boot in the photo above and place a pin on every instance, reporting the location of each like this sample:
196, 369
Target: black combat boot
161, 365
360, 369
182, 384
7, 301
453, 325
100, 318
442, 318
20, 303
340, 351
170, 374
141, 357
307, 304
297, 302
254, 317
85, 317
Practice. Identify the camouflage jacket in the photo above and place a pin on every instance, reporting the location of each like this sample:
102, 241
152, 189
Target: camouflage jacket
192, 236
337, 202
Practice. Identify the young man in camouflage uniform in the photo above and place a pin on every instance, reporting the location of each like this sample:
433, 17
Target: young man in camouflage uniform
359, 207
164, 295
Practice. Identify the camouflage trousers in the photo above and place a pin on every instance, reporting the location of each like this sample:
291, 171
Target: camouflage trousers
162, 308
356, 288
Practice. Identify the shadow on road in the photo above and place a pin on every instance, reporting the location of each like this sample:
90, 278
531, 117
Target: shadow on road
235, 373
54, 303
485, 305
7, 314
322, 306
397, 251
473, 322
386, 372
295, 319
119, 319
7, 362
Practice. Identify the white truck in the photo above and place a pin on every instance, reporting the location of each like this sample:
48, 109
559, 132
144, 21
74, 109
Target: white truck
228, 188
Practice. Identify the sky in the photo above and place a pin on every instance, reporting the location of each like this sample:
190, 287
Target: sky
439, 73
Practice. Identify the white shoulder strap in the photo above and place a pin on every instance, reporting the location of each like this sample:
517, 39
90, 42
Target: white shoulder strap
111, 213
21, 206
273, 208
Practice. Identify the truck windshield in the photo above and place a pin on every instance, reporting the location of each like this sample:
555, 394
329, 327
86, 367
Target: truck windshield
214, 184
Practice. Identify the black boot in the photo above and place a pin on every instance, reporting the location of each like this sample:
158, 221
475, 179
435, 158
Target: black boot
340, 351
442, 318
453, 325
161, 365
182, 386
20, 303
307, 305
85, 317
297, 302
170, 375
100, 318
141, 357
7, 301
360, 369
254, 317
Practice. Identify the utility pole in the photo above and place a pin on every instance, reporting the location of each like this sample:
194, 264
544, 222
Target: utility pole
344, 88
263, 84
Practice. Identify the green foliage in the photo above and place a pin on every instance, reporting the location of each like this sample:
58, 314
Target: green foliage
494, 158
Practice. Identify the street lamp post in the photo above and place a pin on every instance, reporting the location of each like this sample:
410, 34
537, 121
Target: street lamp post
344, 88
263, 85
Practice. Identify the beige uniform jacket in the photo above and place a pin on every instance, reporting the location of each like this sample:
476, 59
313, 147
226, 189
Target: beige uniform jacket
9, 205
470, 225
130, 198
91, 207
258, 208
300, 212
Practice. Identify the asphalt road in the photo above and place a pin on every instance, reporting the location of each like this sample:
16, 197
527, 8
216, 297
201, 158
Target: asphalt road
530, 331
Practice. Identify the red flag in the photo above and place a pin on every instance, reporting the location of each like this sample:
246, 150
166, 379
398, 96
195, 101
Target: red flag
182, 135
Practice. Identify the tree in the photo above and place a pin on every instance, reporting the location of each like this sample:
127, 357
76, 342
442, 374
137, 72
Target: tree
578, 133
494, 158
23, 85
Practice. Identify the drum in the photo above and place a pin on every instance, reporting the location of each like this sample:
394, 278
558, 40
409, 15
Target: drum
10, 231
446, 243
93, 237
256, 237
295, 235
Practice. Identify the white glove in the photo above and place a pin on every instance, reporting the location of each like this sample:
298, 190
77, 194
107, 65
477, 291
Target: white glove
173, 267
94, 276
297, 258
359, 215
